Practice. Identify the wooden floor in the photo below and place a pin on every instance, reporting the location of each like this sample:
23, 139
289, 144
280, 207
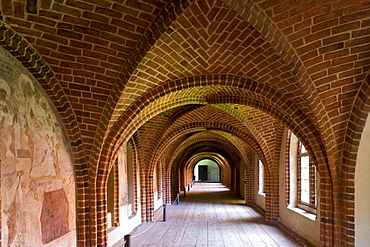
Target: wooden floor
210, 215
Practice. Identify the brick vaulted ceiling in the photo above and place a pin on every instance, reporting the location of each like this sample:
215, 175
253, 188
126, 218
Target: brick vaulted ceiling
167, 65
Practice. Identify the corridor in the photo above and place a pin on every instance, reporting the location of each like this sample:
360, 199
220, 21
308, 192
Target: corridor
210, 215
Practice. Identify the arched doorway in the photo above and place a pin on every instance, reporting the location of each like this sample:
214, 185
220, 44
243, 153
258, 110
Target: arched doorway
207, 170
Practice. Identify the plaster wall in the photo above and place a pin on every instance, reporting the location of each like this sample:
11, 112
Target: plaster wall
362, 185
260, 199
37, 177
297, 220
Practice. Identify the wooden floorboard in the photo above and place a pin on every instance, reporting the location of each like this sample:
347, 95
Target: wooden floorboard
209, 216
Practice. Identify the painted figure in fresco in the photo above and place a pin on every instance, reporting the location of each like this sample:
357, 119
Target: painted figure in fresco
9, 165
36, 129
43, 132
7, 148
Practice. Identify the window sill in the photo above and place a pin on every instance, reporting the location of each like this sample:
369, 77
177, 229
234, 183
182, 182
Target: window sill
304, 213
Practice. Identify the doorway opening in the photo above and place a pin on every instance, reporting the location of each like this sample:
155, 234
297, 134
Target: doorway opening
207, 170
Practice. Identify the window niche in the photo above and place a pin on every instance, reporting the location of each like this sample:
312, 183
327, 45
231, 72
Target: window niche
301, 178
130, 182
306, 180
111, 196
261, 178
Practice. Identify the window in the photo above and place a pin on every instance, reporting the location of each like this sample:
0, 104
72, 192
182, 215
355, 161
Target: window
306, 178
261, 178
159, 179
130, 189
300, 177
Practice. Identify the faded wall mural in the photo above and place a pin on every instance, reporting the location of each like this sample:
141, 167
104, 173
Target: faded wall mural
37, 180
126, 175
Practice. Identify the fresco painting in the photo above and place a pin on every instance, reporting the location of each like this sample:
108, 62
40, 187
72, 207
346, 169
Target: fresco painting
35, 160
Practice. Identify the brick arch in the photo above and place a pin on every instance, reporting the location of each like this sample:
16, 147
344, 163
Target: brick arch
272, 193
238, 149
174, 135
221, 162
213, 138
195, 126
135, 158
258, 95
145, 180
33, 62
227, 154
273, 177
147, 173
246, 92
149, 202
217, 158
359, 112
